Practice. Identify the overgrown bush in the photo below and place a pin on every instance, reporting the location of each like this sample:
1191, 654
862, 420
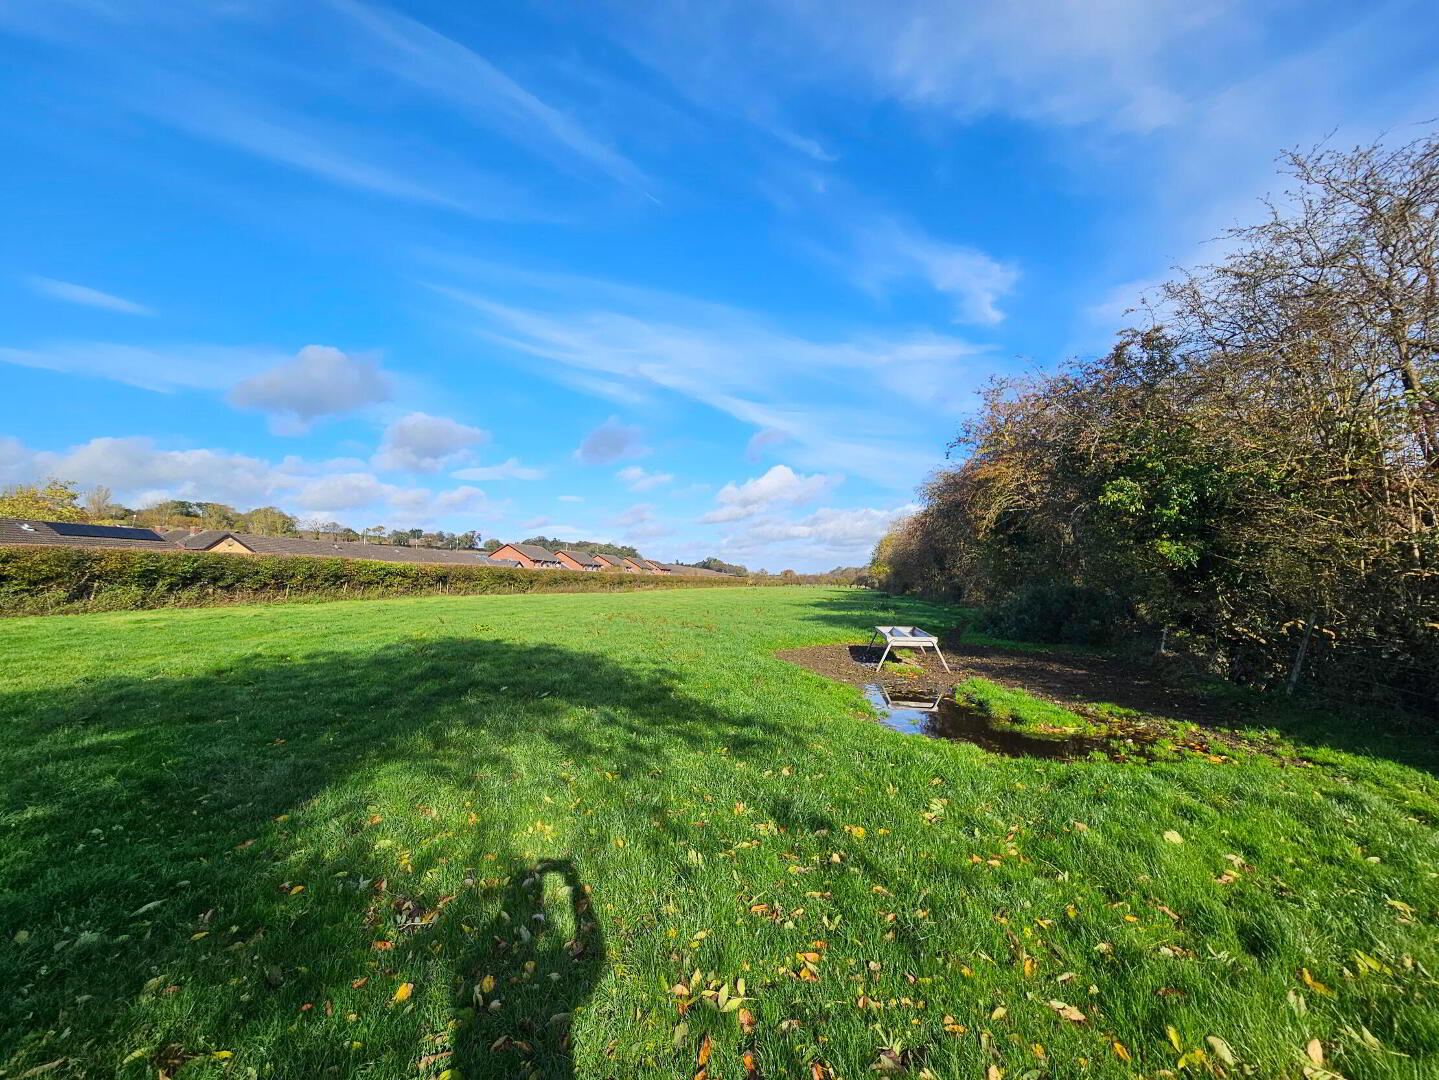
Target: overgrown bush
1058, 615
54, 580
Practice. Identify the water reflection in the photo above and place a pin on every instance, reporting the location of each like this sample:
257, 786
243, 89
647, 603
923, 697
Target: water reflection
938, 716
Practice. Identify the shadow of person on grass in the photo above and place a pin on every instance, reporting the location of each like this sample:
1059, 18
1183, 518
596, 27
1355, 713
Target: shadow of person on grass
205, 839
532, 969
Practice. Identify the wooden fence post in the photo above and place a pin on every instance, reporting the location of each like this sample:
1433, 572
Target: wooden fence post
1299, 655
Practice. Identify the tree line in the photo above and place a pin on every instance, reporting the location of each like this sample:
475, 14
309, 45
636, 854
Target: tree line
1251, 474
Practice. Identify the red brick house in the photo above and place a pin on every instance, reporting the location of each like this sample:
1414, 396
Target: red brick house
529, 555
575, 559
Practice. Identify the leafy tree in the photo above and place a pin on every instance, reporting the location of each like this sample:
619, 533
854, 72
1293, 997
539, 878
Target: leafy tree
266, 521
1258, 469
49, 500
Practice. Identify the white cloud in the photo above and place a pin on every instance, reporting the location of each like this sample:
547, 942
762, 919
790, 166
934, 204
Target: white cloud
780, 486
637, 479
163, 369
760, 441
1123, 64
420, 442
647, 531
477, 90
319, 381
139, 472
638, 514
509, 469
823, 394
974, 282
570, 498
460, 499
83, 294
611, 441
826, 533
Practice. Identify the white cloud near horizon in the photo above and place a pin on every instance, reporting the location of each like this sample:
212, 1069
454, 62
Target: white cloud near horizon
86, 296
140, 473
780, 486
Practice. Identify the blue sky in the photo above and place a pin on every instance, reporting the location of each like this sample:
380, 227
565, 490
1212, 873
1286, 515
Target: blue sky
710, 278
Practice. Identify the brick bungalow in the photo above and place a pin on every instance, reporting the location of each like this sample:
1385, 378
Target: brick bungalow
529, 555
574, 559
614, 562
66, 534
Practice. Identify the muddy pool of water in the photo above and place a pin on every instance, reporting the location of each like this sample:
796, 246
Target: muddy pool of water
937, 715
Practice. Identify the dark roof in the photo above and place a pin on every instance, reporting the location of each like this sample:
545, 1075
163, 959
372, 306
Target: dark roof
74, 534
196, 541
693, 571
534, 551
613, 560
584, 558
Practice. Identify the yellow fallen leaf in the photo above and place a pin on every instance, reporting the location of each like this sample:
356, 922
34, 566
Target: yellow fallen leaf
487, 984
1173, 837
1121, 1051
222, 1055
1069, 1012
1314, 984
1173, 1037
1314, 1051
404, 992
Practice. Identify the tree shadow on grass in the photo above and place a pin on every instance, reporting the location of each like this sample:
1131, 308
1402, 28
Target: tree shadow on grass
193, 864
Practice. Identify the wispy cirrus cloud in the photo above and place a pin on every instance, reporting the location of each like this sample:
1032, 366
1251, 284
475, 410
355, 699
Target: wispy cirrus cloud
86, 296
463, 80
824, 394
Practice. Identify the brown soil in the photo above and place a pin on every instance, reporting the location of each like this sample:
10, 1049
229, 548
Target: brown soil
1060, 677
1064, 678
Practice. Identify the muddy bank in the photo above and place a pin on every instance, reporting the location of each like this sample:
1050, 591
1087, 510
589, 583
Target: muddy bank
1060, 677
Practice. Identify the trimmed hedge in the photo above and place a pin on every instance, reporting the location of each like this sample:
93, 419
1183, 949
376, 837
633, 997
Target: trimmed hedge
60, 580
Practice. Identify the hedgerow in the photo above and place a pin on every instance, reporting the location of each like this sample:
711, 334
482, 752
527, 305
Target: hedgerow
55, 580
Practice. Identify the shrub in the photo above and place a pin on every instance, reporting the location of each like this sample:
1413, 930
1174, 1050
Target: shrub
1058, 615
52, 580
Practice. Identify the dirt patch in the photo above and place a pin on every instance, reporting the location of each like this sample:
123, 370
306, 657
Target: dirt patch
922, 703
1064, 678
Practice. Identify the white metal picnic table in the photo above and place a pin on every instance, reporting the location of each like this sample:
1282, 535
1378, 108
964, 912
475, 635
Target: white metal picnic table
907, 637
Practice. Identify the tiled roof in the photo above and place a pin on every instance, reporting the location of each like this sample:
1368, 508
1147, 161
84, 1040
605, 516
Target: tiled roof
534, 551
31, 531
584, 558
611, 560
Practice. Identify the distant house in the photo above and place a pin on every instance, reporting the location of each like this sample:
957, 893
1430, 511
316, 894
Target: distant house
636, 566
574, 559
74, 534
614, 562
60, 533
691, 571
529, 555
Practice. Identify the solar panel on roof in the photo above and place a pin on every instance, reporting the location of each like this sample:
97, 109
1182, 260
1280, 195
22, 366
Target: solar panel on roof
109, 532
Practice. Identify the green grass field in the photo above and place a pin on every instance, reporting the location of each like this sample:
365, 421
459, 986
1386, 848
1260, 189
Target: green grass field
612, 836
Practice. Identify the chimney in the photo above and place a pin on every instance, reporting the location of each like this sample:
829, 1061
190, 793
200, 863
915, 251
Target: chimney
194, 530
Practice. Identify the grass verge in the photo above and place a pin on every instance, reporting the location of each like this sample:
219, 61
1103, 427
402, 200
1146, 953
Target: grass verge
551, 835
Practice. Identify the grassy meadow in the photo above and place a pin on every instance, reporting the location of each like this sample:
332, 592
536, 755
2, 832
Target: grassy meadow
611, 835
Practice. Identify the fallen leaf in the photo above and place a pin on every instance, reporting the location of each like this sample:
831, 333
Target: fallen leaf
706, 1048
404, 992
1120, 1051
1221, 1049
1069, 1012
1173, 837
1314, 1051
